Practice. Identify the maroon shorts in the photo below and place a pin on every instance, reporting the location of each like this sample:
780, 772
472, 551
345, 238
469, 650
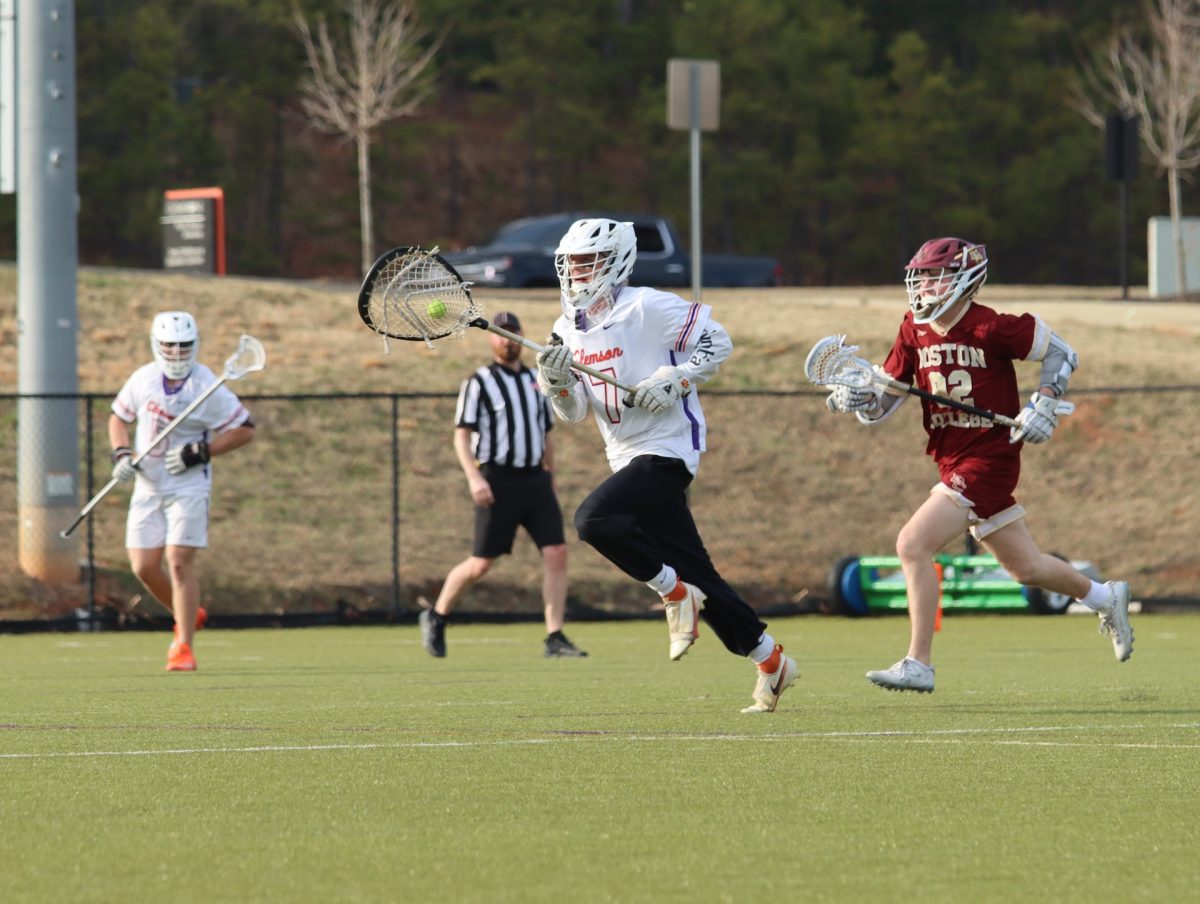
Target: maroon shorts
987, 482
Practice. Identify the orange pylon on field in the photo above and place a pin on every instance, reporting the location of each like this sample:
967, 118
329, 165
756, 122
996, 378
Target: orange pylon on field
937, 621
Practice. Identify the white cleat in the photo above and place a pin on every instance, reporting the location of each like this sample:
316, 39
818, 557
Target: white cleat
771, 685
905, 675
1114, 621
683, 620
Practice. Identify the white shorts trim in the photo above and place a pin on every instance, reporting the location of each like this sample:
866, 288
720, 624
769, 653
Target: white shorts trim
162, 520
980, 527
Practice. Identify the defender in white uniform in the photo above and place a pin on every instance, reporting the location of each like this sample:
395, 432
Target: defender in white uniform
168, 512
639, 518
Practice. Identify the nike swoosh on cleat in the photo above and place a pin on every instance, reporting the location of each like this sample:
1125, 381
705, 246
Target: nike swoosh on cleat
777, 688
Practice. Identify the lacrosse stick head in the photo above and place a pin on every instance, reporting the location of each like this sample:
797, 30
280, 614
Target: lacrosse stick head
831, 362
417, 296
249, 357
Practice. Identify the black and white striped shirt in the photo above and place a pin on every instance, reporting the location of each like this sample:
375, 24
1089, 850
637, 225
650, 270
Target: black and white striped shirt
509, 416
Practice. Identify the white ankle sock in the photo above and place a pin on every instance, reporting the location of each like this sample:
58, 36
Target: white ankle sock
665, 581
766, 646
1099, 597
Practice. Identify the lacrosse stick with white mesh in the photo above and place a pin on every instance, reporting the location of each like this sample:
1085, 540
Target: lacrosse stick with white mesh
417, 296
249, 357
833, 363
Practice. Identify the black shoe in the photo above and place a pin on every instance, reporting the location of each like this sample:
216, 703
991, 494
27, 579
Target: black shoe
433, 632
558, 647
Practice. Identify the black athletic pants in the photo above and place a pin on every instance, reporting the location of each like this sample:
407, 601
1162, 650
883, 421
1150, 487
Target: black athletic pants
639, 520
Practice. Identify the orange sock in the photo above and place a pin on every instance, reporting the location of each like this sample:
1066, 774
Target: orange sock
677, 593
772, 663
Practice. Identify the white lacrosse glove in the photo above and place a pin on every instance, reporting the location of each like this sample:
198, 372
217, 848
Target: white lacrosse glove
554, 368
1038, 419
661, 390
187, 456
848, 399
123, 469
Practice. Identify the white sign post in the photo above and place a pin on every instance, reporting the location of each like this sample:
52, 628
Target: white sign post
694, 103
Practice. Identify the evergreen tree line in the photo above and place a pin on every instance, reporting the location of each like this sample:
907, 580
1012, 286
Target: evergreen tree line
851, 130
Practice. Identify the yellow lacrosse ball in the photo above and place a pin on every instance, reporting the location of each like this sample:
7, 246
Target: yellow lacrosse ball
436, 309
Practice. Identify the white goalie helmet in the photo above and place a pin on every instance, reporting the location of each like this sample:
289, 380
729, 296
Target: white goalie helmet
943, 272
593, 260
175, 340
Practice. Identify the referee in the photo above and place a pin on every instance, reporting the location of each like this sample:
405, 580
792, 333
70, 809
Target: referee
502, 440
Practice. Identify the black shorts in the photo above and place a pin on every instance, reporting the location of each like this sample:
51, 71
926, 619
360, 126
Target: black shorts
524, 498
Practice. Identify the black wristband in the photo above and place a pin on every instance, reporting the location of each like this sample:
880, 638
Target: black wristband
121, 452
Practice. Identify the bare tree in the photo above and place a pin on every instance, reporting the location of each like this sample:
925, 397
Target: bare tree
384, 75
1156, 78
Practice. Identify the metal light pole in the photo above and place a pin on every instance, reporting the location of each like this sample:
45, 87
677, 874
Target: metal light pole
47, 256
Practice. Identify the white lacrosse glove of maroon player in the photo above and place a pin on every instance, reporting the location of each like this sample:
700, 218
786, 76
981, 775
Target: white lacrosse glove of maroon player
1038, 419
848, 399
187, 456
554, 368
661, 390
123, 469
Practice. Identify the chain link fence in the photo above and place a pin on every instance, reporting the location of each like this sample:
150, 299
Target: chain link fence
353, 506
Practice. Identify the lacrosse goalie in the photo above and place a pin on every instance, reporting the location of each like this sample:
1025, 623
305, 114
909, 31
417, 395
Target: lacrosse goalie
168, 510
950, 345
638, 518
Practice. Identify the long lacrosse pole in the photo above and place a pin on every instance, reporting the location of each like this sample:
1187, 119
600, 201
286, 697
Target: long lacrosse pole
942, 400
534, 347
227, 373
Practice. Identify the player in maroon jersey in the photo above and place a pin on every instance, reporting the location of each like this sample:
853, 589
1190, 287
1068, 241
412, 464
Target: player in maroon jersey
952, 346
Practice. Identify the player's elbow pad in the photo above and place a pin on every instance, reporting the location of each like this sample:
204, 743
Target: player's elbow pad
1058, 364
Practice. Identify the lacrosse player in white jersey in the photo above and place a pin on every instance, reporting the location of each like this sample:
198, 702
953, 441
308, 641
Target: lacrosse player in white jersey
168, 511
639, 518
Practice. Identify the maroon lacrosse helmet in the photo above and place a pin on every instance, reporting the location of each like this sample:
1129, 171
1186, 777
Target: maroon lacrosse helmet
942, 272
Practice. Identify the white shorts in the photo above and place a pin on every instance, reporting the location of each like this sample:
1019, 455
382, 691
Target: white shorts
161, 520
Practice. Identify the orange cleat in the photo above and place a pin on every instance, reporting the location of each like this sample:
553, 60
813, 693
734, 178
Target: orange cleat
180, 658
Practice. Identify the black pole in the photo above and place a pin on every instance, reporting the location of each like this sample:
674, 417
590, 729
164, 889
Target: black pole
1123, 245
395, 505
89, 443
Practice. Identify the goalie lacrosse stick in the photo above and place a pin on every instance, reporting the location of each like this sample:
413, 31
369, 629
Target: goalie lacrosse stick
249, 357
417, 296
833, 363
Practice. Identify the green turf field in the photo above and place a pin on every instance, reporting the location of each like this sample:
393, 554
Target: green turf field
344, 764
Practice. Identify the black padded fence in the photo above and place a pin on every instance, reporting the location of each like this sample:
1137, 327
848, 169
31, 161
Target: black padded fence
352, 507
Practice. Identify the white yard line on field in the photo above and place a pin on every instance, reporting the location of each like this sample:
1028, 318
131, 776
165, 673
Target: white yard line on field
932, 736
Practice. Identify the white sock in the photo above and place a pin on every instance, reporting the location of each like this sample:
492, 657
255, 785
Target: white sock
766, 646
665, 582
1099, 597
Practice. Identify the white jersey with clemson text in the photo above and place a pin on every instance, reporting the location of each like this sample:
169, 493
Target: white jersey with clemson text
647, 329
148, 398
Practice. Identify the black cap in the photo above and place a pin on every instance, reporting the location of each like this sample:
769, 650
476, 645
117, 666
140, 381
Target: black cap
507, 320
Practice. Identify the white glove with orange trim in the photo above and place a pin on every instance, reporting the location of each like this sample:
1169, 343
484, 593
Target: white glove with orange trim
662, 389
554, 375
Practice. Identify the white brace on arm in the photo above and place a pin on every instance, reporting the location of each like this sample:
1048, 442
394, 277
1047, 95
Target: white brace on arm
1058, 365
1058, 359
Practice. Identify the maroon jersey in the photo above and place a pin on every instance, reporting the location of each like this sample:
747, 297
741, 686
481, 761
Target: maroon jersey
972, 363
